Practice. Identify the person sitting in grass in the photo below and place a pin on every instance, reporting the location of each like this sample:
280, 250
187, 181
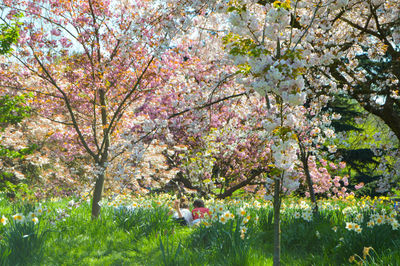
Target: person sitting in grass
182, 213
199, 211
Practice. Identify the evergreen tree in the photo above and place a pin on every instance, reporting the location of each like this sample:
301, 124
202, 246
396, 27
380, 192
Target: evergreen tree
361, 161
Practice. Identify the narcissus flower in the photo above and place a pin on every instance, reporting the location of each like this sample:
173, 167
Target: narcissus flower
227, 215
18, 218
205, 223
35, 220
370, 224
395, 225
379, 220
366, 252
349, 226
243, 229
32, 215
242, 212
3, 220
223, 219
247, 219
39, 210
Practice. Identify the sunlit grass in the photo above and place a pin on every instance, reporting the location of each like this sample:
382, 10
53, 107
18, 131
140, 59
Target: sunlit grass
142, 236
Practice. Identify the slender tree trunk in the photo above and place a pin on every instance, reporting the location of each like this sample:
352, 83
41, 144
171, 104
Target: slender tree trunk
277, 223
304, 160
98, 194
309, 183
99, 186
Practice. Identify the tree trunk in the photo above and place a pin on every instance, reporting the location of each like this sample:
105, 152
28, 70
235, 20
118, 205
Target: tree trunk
99, 186
388, 113
98, 194
304, 160
277, 223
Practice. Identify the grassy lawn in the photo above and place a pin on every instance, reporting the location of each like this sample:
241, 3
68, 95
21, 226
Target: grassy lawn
147, 235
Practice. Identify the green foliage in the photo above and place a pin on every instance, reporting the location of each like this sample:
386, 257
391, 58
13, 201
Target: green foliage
359, 129
26, 243
73, 238
239, 9
13, 187
224, 239
13, 109
4, 253
387, 257
9, 34
238, 45
17, 154
9, 186
348, 110
169, 254
265, 223
143, 222
284, 4
242, 46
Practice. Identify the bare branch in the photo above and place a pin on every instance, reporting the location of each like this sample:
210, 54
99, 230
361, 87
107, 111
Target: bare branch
206, 105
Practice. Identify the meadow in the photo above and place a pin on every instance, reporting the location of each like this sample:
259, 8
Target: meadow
140, 231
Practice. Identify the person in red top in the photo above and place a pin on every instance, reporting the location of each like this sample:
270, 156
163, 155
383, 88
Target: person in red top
199, 211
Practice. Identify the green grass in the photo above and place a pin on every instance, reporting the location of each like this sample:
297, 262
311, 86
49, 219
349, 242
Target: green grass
150, 237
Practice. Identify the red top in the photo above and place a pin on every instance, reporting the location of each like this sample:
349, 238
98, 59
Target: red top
199, 212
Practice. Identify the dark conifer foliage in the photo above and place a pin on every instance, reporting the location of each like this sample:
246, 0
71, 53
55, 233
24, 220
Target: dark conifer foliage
362, 162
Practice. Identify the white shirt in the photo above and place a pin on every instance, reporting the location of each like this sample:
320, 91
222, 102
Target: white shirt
186, 214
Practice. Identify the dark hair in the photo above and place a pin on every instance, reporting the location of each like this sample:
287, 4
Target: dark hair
198, 203
183, 203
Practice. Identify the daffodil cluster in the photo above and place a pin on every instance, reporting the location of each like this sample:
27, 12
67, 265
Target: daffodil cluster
354, 227
20, 218
384, 218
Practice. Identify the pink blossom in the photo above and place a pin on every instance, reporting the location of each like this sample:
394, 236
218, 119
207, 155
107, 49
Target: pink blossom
65, 42
11, 14
345, 180
55, 32
360, 185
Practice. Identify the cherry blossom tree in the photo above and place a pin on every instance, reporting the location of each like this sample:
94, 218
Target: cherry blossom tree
91, 64
271, 52
359, 43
